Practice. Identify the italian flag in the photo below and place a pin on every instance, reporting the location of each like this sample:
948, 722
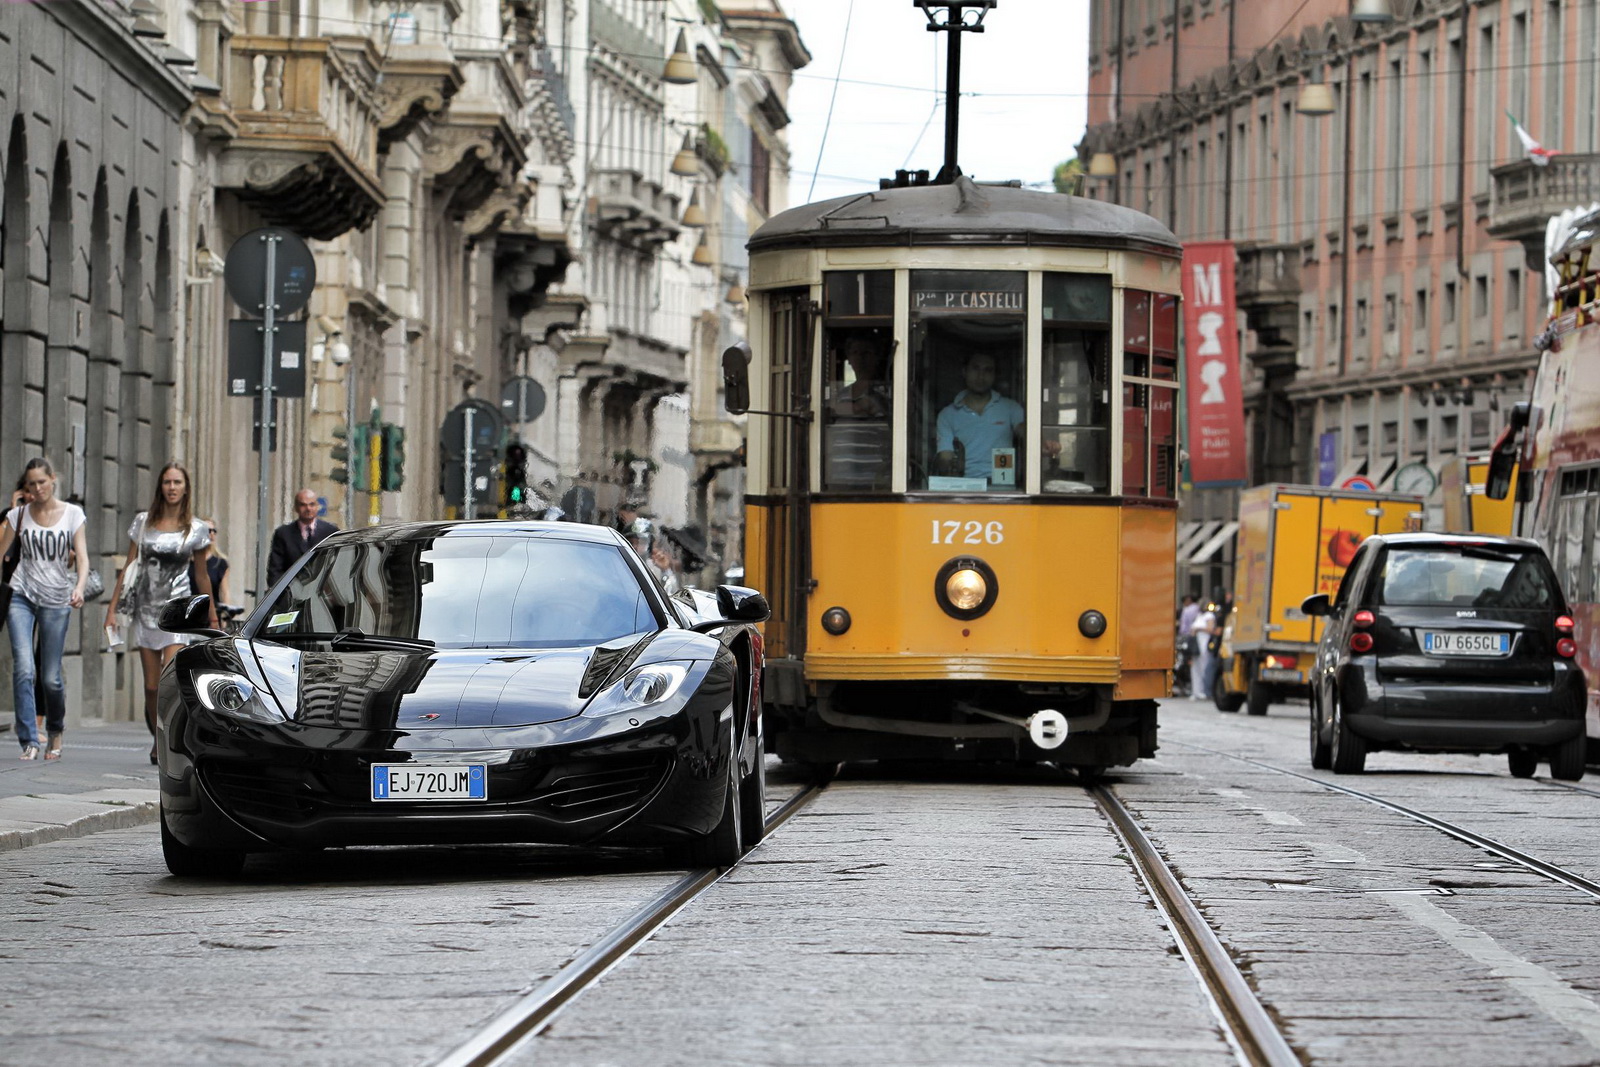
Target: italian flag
1537, 153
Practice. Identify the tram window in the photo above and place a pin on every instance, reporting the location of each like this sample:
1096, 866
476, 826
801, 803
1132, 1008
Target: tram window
1077, 383
858, 409
967, 375
856, 293
1149, 408
1136, 333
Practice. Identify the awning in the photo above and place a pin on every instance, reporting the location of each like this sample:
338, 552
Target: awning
1218, 539
1197, 534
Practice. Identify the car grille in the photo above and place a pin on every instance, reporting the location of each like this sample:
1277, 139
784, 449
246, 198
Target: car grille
570, 790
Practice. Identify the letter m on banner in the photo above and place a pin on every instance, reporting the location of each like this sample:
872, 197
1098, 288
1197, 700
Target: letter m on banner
1214, 387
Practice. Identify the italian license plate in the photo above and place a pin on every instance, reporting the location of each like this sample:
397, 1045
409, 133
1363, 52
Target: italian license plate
1436, 643
1280, 674
430, 781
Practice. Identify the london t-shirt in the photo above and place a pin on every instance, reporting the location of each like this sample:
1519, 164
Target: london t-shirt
42, 575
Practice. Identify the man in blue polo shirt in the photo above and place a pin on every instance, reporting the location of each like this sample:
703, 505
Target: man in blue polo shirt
980, 419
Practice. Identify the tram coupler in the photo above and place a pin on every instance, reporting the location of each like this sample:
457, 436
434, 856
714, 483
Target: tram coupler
1047, 728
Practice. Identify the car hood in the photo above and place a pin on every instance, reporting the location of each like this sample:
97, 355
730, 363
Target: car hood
367, 689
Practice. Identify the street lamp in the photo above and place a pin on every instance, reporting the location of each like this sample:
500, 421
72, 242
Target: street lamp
1376, 11
1316, 98
694, 216
686, 164
1102, 165
680, 69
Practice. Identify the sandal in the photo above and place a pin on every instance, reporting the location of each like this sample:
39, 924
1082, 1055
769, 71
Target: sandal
29, 752
54, 751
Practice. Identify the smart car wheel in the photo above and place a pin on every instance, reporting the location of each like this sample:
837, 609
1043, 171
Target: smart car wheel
1321, 753
1522, 762
186, 862
1566, 759
1349, 752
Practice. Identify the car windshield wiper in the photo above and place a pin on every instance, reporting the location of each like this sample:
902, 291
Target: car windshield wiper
351, 635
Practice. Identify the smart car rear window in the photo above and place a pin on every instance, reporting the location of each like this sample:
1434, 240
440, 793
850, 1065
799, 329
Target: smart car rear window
1467, 576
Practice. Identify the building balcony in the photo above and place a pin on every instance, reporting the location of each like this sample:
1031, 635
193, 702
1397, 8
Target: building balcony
474, 153
1524, 196
630, 208
1267, 289
306, 150
419, 80
557, 124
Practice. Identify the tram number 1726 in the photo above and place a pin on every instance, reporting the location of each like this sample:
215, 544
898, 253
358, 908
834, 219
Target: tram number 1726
956, 532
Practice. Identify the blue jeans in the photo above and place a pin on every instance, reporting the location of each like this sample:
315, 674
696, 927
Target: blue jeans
52, 624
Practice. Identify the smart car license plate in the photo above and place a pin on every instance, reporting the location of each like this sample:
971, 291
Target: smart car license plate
430, 781
1447, 643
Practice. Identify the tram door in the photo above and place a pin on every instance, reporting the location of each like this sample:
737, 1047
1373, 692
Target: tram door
787, 548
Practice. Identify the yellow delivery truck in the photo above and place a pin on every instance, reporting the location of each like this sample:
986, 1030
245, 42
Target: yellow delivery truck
1467, 509
1294, 540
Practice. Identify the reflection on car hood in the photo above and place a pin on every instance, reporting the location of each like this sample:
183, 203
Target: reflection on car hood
383, 689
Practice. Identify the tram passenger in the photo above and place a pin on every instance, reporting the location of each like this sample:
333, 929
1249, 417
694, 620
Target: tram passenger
860, 405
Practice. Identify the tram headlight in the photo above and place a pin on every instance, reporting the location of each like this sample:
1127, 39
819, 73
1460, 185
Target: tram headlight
966, 587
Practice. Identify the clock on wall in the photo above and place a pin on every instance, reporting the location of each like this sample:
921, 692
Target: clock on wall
1415, 479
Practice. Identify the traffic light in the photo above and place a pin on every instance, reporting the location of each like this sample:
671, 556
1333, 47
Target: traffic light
516, 480
352, 454
394, 456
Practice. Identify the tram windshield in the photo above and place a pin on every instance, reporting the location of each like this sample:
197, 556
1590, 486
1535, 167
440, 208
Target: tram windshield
968, 371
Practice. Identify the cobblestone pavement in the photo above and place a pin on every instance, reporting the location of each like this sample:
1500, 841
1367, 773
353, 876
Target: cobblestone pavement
955, 917
909, 922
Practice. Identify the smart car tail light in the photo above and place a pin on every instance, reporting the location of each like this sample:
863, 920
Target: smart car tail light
1566, 647
1363, 620
1564, 624
1360, 641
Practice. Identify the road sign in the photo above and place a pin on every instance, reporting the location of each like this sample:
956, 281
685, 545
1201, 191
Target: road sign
246, 340
294, 272
487, 429
1358, 482
522, 399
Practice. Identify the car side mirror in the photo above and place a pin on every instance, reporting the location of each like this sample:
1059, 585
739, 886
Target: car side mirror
736, 604
188, 615
736, 377
1316, 604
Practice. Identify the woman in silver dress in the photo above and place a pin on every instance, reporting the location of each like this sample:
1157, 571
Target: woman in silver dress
164, 540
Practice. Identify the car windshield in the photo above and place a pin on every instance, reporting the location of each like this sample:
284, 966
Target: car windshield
466, 592
1478, 576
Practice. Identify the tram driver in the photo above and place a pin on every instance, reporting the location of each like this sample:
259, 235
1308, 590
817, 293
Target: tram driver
985, 426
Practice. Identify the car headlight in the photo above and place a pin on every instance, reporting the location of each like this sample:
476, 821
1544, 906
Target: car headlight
231, 694
653, 684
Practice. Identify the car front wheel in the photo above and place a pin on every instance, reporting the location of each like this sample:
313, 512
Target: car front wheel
753, 798
1349, 752
723, 846
186, 862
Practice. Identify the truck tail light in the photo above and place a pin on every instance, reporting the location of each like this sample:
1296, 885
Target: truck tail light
1279, 659
1360, 641
1566, 648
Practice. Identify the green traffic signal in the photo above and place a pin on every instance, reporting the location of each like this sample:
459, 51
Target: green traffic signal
352, 454
394, 456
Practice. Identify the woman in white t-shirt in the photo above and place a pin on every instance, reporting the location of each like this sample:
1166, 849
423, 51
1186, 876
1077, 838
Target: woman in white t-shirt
43, 593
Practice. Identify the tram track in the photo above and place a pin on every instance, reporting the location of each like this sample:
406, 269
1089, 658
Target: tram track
529, 1015
1522, 859
1248, 1024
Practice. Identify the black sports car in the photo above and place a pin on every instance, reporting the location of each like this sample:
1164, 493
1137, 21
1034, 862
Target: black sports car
441, 683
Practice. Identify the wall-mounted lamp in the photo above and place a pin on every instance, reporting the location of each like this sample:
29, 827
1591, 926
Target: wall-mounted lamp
694, 215
1371, 11
680, 69
1316, 97
686, 164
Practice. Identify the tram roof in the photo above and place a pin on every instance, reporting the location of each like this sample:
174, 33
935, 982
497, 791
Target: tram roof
965, 213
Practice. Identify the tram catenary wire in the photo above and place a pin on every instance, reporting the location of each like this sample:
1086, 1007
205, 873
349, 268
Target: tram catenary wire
530, 1014
1488, 844
1247, 1024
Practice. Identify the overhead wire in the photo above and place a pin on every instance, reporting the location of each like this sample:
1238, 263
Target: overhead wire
844, 46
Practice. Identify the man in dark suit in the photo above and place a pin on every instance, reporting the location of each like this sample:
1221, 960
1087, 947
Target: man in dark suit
294, 539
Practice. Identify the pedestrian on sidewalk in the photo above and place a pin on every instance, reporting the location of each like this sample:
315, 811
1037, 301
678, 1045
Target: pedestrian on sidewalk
294, 539
1205, 629
162, 543
43, 593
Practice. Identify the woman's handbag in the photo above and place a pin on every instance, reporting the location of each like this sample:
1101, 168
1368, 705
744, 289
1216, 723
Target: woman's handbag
131, 572
94, 586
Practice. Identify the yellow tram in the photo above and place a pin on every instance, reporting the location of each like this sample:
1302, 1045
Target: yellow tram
961, 475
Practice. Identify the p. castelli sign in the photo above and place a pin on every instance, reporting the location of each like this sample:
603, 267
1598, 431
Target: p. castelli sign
1214, 386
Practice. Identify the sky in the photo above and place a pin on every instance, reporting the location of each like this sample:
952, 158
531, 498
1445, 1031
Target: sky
1029, 70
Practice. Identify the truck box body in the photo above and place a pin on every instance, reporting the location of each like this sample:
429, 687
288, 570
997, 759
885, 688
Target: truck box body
1294, 540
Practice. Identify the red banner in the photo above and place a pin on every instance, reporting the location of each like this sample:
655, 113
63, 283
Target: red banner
1215, 389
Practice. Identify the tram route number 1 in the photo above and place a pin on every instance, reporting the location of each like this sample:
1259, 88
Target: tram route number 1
955, 532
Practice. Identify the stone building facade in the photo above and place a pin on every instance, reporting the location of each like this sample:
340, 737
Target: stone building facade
485, 186
1389, 279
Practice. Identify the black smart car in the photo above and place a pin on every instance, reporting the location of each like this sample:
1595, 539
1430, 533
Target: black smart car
441, 683
1447, 643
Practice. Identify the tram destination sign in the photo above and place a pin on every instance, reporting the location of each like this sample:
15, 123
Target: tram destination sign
985, 292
